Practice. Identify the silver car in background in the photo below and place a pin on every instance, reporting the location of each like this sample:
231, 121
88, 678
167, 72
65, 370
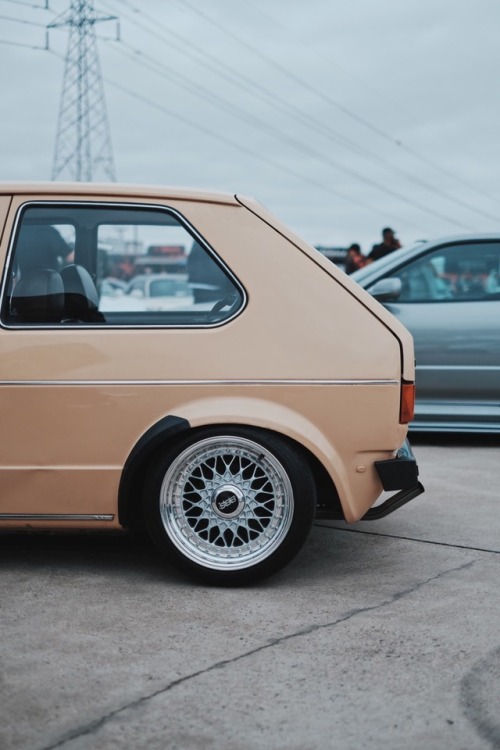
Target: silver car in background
447, 293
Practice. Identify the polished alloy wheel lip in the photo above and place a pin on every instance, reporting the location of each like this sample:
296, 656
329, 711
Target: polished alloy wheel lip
262, 512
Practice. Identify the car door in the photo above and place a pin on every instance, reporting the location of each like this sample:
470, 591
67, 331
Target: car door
450, 301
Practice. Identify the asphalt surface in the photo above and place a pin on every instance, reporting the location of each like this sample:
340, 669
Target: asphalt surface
380, 635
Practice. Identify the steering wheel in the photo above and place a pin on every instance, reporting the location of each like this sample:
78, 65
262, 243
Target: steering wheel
230, 301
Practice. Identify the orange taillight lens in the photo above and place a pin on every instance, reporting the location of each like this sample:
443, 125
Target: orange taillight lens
407, 408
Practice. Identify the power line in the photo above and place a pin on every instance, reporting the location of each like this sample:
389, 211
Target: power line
236, 145
277, 103
24, 22
395, 104
186, 83
311, 88
29, 5
187, 48
215, 100
271, 99
292, 76
21, 20
22, 44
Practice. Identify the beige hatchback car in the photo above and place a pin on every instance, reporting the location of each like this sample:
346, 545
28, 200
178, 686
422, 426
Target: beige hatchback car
270, 391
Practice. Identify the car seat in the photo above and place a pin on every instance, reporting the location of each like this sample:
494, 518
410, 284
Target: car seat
37, 295
81, 297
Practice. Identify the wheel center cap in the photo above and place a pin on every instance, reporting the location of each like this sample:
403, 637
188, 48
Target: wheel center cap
228, 501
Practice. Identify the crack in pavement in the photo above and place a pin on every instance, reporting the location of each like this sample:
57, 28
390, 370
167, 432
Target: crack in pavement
94, 726
408, 538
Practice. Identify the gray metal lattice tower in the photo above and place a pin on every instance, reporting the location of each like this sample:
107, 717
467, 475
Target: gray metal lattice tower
83, 144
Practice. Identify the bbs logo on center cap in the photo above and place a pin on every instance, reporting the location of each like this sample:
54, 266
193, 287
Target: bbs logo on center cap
228, 501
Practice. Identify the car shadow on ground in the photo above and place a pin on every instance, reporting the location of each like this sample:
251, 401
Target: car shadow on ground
117, 556
84, 552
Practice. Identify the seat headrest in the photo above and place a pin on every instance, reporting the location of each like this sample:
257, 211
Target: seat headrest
40, 246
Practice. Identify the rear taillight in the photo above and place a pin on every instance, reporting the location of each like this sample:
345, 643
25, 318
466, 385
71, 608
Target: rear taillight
407, 407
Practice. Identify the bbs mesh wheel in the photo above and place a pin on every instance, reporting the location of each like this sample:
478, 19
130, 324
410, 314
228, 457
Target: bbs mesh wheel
230, 505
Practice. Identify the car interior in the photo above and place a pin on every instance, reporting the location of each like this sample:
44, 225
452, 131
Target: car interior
46, 286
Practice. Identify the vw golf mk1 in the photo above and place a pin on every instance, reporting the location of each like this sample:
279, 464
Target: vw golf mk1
266, 387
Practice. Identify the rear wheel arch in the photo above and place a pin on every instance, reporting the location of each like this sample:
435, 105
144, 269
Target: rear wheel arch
156, 439
161, 436
328, 500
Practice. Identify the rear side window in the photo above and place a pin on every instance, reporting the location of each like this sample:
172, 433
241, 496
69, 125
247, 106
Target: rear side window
102, 265
461, 272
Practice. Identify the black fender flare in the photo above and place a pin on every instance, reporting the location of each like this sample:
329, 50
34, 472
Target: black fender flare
131, 481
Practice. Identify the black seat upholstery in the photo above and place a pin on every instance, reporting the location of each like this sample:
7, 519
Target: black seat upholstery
38, 293
41, 246
39, 296
81, 297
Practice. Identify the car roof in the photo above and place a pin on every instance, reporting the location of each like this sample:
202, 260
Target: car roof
95, 189
379, 267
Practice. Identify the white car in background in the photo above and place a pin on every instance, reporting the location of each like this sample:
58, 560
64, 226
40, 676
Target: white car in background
147, 292
161, 291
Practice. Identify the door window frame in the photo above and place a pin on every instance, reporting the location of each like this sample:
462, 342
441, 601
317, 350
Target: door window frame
106, 205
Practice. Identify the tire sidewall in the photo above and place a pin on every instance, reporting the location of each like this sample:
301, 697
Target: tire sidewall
304, 503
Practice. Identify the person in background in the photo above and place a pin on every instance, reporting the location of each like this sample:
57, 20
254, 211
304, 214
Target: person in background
389, 243
354, 258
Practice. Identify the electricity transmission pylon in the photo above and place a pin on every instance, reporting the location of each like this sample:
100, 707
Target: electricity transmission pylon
83, 144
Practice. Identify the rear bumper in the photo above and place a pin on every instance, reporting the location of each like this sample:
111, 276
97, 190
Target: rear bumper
399, 473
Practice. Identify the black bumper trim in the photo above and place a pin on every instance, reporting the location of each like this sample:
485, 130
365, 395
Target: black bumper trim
393, 503
400, 473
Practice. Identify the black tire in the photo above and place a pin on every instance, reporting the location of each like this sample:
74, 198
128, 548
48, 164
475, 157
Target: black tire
230, 505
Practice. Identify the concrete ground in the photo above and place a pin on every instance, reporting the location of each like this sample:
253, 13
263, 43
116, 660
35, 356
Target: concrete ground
382, 635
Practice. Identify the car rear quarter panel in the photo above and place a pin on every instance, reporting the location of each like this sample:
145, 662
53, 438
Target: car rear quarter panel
378, 310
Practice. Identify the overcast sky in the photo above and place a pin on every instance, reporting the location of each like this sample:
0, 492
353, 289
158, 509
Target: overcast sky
340, 116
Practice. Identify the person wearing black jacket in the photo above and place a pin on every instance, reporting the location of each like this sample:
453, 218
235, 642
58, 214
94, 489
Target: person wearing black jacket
388, 245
